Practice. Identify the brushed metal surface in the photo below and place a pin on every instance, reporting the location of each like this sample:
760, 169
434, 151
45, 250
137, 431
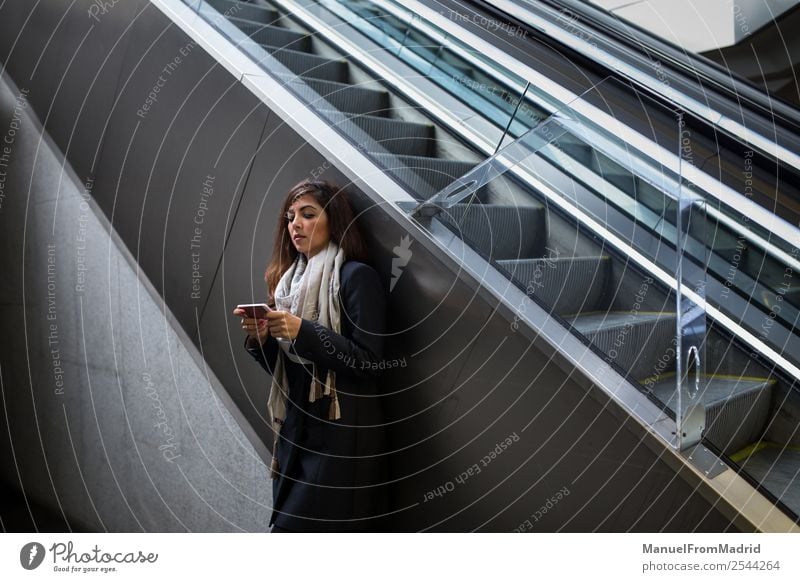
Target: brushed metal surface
161, 158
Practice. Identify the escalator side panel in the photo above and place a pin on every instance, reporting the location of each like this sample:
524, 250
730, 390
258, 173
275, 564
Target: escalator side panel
70, 66
165, 191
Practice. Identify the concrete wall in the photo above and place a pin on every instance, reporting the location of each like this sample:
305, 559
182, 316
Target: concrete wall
109, 415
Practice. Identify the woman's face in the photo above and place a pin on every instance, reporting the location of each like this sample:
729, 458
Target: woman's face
308, 226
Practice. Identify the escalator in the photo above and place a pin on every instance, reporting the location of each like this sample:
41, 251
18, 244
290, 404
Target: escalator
733, 112
777, 65
671, 290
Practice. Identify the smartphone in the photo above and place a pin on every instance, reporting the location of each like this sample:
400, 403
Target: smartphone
255, 310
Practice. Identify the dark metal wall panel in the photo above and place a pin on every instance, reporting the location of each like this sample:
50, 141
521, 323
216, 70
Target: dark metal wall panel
514, 437
432, 316
282, 160
173, 167
68, 55
12, 18
86, 52
32, 63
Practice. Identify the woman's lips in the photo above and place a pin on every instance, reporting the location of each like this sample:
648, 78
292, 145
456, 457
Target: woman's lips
298, 237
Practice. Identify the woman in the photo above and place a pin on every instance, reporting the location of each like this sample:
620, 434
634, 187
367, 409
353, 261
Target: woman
322, 344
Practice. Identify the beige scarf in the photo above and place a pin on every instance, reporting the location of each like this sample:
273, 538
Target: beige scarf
309, 290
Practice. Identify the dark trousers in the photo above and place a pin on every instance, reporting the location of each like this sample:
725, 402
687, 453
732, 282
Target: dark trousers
276, 529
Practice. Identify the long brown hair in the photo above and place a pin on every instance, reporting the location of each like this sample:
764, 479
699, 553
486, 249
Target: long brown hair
341, 223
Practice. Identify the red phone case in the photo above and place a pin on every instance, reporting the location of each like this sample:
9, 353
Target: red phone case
255, 310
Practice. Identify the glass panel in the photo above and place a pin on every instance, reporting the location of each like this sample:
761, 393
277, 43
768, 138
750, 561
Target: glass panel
466, 188
528, 208
489, 90
654, 329
193, 4
691, 380
749, 395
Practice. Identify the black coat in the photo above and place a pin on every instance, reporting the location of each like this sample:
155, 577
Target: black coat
333, 474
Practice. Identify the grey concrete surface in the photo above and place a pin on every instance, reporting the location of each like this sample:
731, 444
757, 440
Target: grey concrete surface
109, 417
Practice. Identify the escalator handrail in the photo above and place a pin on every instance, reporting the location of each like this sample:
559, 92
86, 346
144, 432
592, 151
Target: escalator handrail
693, 64
757, 214
590, 44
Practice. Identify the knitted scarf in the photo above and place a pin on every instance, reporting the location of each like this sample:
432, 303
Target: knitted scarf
308, 289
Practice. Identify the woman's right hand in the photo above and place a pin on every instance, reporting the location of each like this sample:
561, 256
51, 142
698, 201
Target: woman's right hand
253, 327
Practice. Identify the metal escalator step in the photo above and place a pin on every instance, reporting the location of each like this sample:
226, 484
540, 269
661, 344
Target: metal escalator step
274, 35
398, 136
499, 231
310, 65
426, 51
603, 165
777, 469
732, 256
645, 193
397, 31
566, 284
467, 72
743, 263
245, 10
425, 176
460, 70
362, 5
640, 342
388, 21
422, 45
737, 409
745, 266
341, 96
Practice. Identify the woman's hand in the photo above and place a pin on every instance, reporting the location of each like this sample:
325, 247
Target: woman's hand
253, 327
283, 325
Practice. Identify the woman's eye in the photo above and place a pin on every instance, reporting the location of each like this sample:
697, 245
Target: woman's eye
308, 216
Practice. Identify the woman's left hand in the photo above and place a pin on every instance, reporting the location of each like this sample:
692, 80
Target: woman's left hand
283, 325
